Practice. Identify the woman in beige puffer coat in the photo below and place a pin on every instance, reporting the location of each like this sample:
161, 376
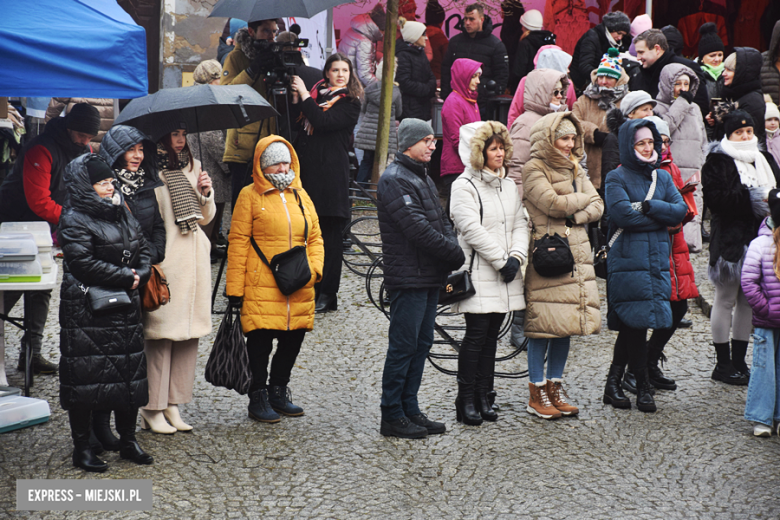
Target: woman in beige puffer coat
560, 199
493, 232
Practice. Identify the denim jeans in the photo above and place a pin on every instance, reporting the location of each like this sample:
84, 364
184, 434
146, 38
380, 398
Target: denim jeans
410, 336
557, 350
763, 397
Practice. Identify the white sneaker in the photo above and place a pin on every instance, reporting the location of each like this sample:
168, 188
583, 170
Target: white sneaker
762, 430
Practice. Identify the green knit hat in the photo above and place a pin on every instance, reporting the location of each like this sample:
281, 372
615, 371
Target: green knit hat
610, 64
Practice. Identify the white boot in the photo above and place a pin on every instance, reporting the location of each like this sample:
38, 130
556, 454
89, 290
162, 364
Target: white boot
154, 419
172, 414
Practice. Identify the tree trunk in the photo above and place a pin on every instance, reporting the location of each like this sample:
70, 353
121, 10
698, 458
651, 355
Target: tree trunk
386, 100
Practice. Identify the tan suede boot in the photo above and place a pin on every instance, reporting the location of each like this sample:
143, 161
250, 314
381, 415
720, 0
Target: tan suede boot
559, 397
540, 402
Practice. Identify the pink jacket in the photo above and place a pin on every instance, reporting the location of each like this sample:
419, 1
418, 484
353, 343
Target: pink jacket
516, 108
460, 108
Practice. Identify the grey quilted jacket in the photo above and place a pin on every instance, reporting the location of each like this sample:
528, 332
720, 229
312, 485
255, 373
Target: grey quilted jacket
365, 137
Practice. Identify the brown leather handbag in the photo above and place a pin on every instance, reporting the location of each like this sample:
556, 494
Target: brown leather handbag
156, 292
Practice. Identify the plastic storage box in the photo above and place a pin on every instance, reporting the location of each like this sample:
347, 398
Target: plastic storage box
17, 247
20, 272
20, 412
46, 261
41, 231
6, 391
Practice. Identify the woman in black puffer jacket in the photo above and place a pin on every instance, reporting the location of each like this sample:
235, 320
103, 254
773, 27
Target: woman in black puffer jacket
102, 363
414, 74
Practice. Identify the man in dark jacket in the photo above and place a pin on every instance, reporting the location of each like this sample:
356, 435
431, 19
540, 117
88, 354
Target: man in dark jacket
419, 250
35, 191
654, 53
477, 42
595, 43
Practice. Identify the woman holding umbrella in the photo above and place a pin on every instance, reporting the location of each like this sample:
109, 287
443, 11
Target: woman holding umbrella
171, 332
327, 116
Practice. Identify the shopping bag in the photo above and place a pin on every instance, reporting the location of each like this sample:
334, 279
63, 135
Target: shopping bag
228, 363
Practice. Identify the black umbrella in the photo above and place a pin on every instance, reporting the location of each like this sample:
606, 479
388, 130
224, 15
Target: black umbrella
251, 10
197, 109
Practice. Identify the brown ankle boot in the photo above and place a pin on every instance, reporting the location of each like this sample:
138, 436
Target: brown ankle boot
559, 398
540, 402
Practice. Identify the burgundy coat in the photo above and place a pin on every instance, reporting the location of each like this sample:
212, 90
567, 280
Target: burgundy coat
759, 282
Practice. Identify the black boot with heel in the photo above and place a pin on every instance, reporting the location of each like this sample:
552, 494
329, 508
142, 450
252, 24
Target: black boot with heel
129, 449
101, 427
83, 456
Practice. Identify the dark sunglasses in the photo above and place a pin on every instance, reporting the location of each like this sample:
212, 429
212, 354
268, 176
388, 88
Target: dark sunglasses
557, 93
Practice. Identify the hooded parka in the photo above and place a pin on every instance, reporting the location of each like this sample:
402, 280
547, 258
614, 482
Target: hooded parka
102, 363
770, 75
143, 203
487, 212
745, 89
459, 109
556, 187
638, 281
359, 44
275, 221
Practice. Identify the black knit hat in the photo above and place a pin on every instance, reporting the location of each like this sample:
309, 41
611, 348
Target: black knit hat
617, 21
434, 13
83, 117
99, 169
709, 41
735, 120
774, 205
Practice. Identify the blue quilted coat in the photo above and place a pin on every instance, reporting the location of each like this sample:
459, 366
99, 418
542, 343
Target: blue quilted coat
638, 280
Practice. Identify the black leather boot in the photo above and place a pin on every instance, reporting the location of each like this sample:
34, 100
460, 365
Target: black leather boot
129, 449
738, 353
101, 427
644, 399
326, 302
468, 363
485, 372
724, 371
629, 382
613, 394
83, 456
657, 377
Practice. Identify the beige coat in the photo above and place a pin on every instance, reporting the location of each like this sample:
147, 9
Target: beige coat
536, 100
104, 106
567, 305
187, 266
593, 118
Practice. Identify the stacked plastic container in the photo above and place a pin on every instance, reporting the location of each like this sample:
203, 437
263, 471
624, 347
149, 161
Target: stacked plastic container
25, 251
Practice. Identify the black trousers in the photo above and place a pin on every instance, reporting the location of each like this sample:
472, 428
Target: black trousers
241, 175
259, 344
660, 337
477, 355
631, 348
332, 237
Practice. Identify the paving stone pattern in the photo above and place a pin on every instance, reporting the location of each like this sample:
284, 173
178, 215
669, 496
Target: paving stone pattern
695, 458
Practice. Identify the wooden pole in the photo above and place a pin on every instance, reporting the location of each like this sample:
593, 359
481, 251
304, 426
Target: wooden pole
386, 99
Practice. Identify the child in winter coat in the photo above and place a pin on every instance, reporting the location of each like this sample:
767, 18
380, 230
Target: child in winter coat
772, 125
762, 289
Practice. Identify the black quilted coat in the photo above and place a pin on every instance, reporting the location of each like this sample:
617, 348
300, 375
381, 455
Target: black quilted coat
419, 246
102, 363
415, 79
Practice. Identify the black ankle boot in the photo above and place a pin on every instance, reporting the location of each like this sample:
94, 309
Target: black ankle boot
260, 409
724, 371
644, 399
83, 456
101, 426
657, 377
128, 446
738, 353
280, 399
483, 406
326, 302
629, 382
465, 410
613, 394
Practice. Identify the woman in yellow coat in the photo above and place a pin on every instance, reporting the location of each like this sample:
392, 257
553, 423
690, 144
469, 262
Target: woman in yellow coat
272, 211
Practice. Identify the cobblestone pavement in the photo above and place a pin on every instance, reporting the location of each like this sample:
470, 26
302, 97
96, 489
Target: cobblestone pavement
695, 458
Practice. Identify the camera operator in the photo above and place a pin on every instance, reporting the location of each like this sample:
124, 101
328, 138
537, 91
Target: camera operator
309, 75
248, 64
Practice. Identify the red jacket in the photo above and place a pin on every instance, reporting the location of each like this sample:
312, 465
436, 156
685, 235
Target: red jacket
680, 268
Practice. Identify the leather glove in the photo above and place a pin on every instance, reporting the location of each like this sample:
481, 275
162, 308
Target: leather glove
510, 269
687, 95
645, 206
263, 62
235, 302
598, 137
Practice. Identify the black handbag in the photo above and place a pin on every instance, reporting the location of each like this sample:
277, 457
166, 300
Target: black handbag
105, 300
291, 268
552, 255
228, 364
458, 286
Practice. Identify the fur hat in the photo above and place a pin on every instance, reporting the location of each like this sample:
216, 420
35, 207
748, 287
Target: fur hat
617, 21
411, 31
709, 40
275, 153
565, 127
378, 16
206, 72
610, 65
735, 120
84, 118
412, 130
532, 20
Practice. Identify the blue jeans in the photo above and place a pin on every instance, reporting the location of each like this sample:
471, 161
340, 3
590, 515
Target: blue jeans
763, 397
557, 350
410, 336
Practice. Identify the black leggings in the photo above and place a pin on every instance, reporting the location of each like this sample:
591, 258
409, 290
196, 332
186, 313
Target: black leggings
333, 242
660, 337
477, 356
631, 346
259, 344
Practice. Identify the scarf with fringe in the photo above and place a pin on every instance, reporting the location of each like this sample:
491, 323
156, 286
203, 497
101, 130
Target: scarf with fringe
184, 200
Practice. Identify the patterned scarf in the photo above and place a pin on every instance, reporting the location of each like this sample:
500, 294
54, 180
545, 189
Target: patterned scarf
606, 97
280, 180
184, 200
130, 182
325, 97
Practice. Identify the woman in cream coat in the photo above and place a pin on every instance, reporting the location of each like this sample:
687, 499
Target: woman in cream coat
172, 332
492, 228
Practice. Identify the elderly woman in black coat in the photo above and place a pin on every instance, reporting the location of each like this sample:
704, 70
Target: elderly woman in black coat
102, 363
328, 115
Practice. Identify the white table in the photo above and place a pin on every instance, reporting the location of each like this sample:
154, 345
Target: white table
47, 283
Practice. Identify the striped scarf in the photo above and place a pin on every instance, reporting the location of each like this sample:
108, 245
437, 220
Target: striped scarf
325, 97
184, 200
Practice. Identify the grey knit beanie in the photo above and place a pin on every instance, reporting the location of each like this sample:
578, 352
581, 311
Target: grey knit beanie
275, 153
617, 21
412, 130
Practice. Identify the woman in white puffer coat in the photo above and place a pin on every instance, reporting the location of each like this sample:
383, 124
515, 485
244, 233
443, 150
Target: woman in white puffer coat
488, 215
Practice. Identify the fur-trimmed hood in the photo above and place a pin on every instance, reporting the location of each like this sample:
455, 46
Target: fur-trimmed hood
472, 143
615, 120
244, 42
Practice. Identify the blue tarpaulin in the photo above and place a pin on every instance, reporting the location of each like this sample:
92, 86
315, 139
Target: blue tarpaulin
71, 48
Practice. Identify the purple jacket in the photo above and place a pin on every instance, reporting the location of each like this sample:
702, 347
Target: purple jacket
759, 282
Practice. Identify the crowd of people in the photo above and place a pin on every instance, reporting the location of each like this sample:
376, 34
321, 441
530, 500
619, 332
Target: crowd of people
605, 169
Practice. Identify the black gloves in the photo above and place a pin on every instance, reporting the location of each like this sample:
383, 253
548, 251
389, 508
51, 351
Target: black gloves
510, 269
263, 62
235, 302
687, 95
598, 137
645, 207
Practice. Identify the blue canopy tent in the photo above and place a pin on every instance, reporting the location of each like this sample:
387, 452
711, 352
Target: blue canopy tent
71, 48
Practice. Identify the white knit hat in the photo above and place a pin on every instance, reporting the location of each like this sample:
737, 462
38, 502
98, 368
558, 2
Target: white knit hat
532, 20
771, 111
411, 31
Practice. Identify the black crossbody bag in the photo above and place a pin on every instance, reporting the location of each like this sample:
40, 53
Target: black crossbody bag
290, 269
105, 300
458, 286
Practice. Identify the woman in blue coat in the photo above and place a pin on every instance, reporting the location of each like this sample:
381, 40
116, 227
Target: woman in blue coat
642, 203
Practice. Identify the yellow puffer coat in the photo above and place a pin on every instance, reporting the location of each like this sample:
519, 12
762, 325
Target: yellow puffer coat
274, 219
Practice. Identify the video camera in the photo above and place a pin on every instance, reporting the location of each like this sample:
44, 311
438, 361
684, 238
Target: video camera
285, 60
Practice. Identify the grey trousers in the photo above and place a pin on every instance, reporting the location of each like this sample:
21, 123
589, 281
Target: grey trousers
36, 309
730, 312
